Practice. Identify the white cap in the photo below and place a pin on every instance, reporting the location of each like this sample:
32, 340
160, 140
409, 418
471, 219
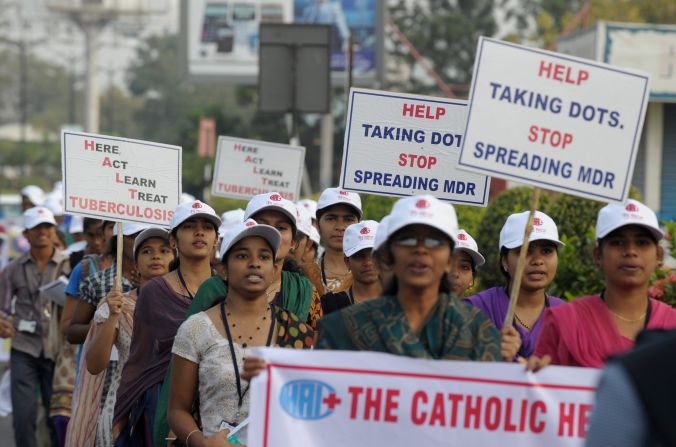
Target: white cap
35, 194
544, 228
195, 208
465, 242
314, 235
186, 198
272, 201
37, 215
423, 210
230, 219
246, 229
147, 234
613, 216
131, 228
304, 220
381, 234
76, 225
337, 196
359, 236
54, 201
310, 205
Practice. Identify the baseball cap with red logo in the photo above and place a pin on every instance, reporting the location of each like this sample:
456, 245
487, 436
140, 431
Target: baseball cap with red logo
359, 236
337, 196
37, 215
544, 228
423, 210
192, 209
272, 201
466, 243
613, 216
249, 228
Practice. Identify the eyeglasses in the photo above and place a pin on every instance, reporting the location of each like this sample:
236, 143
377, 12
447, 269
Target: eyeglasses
413, 241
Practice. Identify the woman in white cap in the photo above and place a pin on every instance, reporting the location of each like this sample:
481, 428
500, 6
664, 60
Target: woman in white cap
210, 346
336, 210
112, 330
466, 260
358, 248
520, 338
416, 316
591, 329
160, 309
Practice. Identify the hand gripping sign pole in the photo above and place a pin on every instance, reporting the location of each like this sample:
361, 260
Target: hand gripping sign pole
516, 284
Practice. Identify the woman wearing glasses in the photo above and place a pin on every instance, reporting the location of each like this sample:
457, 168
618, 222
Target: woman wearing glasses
416, 316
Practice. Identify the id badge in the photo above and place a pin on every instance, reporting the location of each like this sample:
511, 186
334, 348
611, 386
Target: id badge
27, 326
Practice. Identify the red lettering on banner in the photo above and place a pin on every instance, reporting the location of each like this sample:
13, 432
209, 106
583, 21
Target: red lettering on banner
562, 73
372, 404
355, 392
473, 411
391, 405
418, 417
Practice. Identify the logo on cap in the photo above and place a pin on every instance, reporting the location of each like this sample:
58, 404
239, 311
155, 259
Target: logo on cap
462, 237
537, 221
197, 205
276, 198
422, 203
364, 230
632, 208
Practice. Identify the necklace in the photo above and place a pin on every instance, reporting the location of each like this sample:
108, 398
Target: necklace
245, 339
629, 320
528, 328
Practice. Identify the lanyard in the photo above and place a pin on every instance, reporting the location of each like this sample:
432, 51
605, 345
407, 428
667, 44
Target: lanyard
180, 278
238, 380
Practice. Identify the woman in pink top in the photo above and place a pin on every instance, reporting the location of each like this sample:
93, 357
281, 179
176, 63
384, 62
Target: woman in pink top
589, 330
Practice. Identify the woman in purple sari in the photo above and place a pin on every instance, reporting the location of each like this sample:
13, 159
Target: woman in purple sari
539, 272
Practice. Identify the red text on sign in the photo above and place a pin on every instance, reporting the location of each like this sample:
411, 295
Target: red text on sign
374, 404
573, 419
423, 111
415, 160
562, 73
550, 137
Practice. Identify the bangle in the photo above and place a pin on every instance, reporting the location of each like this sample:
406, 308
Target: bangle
188, 437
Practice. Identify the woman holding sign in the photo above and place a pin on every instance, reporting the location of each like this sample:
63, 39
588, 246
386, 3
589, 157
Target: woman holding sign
160, 309
416, 316
210, 346
589, 330
540, 269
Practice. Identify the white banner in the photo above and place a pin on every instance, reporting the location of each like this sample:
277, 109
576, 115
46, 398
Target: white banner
400, 145
554, 121
334, 398
245, 168
120, 179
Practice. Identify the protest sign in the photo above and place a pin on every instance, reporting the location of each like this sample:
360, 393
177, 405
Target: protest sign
245, 168
338, 398
554, 121
400, 145
120, 179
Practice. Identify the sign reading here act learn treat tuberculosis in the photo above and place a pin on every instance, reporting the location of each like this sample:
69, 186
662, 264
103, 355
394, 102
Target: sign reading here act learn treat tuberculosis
119, 178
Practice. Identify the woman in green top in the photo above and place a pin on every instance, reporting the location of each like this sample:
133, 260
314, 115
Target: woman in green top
416, 316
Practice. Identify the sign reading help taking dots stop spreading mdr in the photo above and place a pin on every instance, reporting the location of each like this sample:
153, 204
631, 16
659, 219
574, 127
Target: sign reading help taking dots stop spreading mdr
554, 121
400, 145
119, 178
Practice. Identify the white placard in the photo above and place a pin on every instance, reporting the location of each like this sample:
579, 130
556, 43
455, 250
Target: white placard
245, 168
401, 145
371, 399
120, 179
554, 121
